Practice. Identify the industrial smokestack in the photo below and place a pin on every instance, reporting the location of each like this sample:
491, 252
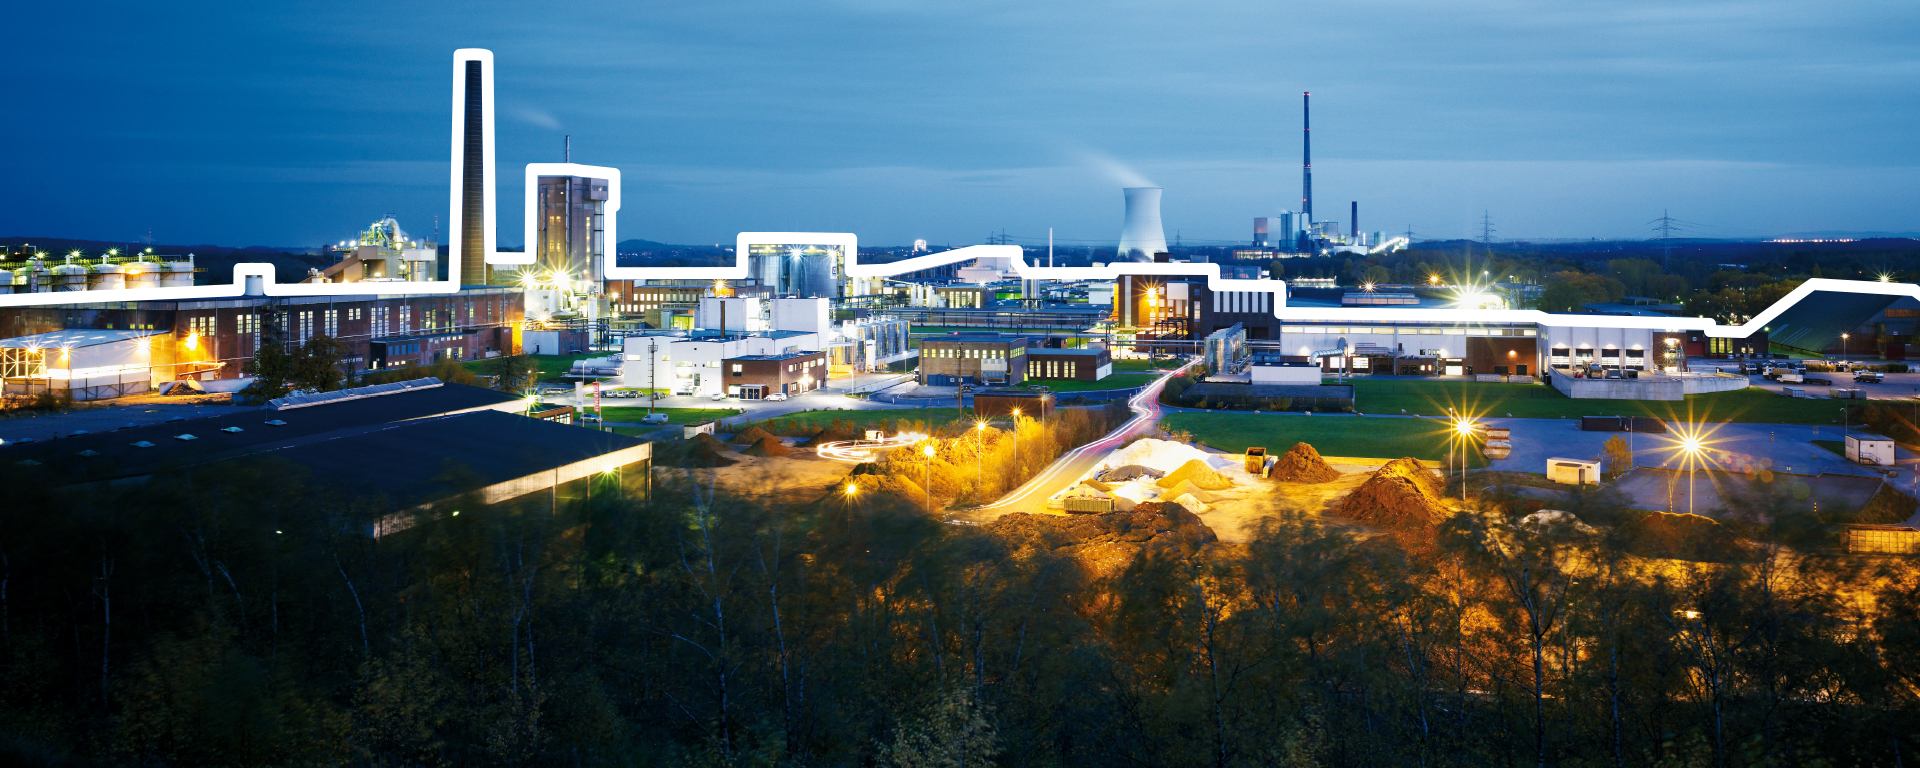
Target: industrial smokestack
1141, 236
473, 193
1353, 222
1306, 166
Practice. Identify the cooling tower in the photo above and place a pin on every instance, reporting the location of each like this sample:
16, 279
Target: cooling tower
1141, 236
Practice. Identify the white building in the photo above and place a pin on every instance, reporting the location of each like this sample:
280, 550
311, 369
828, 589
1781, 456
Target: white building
689, 362
744, 314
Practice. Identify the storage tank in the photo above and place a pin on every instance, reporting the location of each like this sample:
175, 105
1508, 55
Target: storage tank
142, 274
178, 274
107, 277
70, 277
814, 278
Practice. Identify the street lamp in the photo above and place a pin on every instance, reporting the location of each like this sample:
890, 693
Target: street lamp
1463, 429
979, 449
1016, 438
928, 450
1690, 448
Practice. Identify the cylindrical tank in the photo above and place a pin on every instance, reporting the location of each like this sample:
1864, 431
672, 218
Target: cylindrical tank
107, 277
6, 281
178, 274
815, 277
142, 274
70, 277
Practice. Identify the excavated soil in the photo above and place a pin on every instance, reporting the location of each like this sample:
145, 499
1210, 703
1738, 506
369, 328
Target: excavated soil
710, 442
1106, 544
692, 454
1198, 473
830, 436
767, 446
1402, 495
1302, 464
750, 436
1683, 536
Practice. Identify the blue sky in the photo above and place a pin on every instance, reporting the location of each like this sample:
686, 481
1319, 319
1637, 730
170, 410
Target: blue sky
297, 123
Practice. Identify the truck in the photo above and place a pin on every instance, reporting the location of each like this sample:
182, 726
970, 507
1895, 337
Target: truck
1868, 377
1788, 377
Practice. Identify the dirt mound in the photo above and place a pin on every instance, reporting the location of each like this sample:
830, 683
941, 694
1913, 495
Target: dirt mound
831, 435
1187, 488
877, 489
1127, 472
1403, 494
1106, 544
749, 436
692, 454
767, 446
1302, 464
710, 442
1684, 537
1198, 473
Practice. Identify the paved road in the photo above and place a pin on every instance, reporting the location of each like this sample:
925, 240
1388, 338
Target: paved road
1063, 472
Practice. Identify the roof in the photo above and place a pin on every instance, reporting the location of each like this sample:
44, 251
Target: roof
1817, 320
1609, 308
75, 337
787, 356
119, 453
1066, 351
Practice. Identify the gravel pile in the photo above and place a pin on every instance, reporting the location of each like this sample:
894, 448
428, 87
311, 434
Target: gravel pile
1302, 464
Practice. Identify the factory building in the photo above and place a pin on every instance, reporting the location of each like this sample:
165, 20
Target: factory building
754, 377
693, 362
212, 340
973, 359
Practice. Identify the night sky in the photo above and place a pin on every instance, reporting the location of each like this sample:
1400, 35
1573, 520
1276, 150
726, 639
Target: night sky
293, 124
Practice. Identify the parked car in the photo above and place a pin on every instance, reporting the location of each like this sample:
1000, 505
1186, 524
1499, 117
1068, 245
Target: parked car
588, 418
778, 397
719, 395
1870, 377
654, 418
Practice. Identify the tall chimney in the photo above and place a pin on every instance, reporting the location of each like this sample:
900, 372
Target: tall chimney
1141, 236
1306, 161
473, 193
1353, 223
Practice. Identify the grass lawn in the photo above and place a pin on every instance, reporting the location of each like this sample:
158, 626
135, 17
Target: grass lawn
1115, 381
1539, 401
1839, 447
674, 415
1330, 435
551, 366
1120, 366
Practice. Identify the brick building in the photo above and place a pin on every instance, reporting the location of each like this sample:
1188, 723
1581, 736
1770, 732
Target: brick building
753, 377
214, 339
1075, 364
973, 359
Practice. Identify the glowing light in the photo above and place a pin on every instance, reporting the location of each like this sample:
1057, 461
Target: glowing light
852, 489
1366, 287
928, 451
1433, 279
1463, 427
193, 340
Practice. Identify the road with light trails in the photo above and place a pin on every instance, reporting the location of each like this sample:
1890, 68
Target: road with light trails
1064, 471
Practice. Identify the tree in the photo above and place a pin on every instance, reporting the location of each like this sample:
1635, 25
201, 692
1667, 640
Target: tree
1619, 458
513, 373
278, 371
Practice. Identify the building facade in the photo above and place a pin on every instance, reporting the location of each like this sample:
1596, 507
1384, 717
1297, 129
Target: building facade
753, 377
1074, 364
948, 360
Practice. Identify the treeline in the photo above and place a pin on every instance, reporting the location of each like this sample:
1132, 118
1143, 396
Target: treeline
241, 618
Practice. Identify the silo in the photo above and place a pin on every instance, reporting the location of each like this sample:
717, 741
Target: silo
107, 277
70, 277
178, 274
142, 274
1141, 236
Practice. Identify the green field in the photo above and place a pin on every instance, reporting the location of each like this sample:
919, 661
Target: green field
1330, 435
1116, 381
1539, 401
674, 415
1121, 366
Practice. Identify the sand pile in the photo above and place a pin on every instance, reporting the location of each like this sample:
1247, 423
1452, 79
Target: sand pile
1106, 544
1683, 536
1187, 488
1302, 464
1162, 455
1190, 504
710, 442
1197, 472
1403, 494
750, 436
767, 446
831, 436
1131, 493
1097, 485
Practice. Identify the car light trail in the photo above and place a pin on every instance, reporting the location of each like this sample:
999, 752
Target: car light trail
857, 451
1146, 407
